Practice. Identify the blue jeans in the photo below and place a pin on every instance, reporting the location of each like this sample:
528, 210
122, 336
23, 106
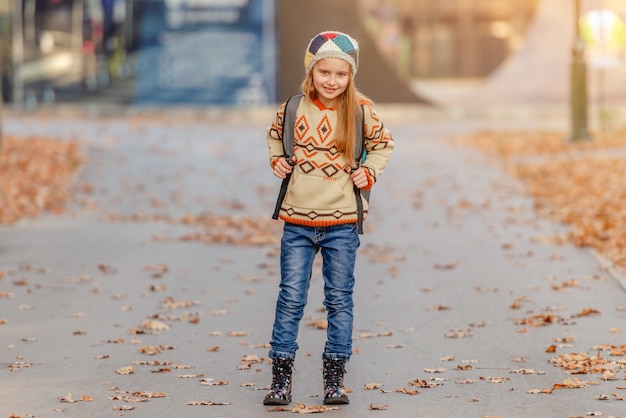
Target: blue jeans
299, 245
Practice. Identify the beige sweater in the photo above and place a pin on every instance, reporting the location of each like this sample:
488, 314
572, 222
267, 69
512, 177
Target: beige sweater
320, 192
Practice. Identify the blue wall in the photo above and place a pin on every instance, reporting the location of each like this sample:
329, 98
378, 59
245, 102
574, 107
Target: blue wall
220, 52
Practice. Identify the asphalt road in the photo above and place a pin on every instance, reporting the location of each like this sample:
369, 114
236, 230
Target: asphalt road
167, 262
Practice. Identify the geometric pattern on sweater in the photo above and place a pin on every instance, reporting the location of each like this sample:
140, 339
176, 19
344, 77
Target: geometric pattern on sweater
317, 143
324, 129
314, 215
302, 128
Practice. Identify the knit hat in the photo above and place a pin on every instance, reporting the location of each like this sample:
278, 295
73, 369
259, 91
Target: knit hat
332, 44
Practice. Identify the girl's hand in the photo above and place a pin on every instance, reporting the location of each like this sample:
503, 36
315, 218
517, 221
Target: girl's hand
359, 178
282, 167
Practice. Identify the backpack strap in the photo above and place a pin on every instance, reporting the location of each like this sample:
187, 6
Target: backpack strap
289, 122
359, 155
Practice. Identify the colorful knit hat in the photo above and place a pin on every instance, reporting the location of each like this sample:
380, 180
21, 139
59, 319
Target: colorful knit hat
332, 44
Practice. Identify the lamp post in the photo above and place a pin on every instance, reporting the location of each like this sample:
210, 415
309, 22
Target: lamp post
579, 83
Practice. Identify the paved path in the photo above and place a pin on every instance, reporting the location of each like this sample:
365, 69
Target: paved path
449, 251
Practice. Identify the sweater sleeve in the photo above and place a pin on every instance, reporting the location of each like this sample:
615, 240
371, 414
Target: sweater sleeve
275, 136
379, 144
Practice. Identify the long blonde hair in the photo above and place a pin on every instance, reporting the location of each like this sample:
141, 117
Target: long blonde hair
347, 106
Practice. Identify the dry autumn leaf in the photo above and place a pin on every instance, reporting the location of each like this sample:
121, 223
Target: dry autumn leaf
35, 176
252, 358
154, 325
495, 379
237, 333
523, 371
220, 312
318, 324
587, 312
573, 383
408, 391
67, 398
457, 334
465, 382
150, 350
171, 303
301, 408
213, 382
537, 391
207, 403
123, 408
570, 184
125, 370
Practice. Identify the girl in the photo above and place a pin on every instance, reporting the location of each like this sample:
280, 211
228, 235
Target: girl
320, 206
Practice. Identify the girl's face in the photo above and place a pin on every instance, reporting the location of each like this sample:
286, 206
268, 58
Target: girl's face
331, 77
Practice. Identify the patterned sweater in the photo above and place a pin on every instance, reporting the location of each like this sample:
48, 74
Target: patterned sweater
320, 191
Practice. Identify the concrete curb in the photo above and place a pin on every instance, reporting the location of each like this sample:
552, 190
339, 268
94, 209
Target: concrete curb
606, 266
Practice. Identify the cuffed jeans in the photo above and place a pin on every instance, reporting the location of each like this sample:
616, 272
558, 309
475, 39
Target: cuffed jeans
299, 245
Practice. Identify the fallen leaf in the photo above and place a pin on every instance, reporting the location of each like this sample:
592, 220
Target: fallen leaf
523, 371
465, 382
123, 408
408, 391
154, 325
537, 391
252, 358
212, 382
125, 370
150, 350
237, 333
495, 379
207, 403
586, 312
67, 398
318, 324
150, 395
573, 383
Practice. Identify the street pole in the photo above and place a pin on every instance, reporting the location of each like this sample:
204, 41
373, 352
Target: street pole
18, 54
579, 83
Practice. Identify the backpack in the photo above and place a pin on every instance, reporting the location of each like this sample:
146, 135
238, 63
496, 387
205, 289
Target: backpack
289, 121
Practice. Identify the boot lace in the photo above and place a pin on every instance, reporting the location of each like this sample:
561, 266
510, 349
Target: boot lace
334, 373
281, 373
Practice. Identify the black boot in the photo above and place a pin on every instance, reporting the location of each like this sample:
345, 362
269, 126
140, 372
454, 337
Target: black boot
334, 392
280, 393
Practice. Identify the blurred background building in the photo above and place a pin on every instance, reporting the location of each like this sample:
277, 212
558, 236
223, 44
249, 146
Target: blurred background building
247, 52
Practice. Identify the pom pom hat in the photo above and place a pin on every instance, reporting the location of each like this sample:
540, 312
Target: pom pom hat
332, 45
